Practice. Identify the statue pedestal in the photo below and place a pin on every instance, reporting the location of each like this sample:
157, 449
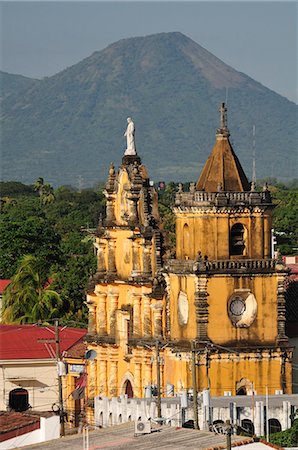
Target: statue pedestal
130, 159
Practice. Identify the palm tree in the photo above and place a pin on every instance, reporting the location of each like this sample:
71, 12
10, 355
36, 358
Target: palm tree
45, 191
38, 185
28, 298
48, 195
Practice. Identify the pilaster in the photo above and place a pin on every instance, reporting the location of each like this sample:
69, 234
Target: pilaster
136, 267
112, 387
100, 253
91, 316
157, 319
113, 298
111, 256
136, 314
102, 377
201, 305
101, 313
281, 310
146, 315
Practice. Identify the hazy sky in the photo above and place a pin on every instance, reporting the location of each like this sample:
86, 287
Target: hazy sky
258, 38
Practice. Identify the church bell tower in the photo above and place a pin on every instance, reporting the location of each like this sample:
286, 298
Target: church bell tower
225, 292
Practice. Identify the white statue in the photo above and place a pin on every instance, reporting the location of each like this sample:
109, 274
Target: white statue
130, 138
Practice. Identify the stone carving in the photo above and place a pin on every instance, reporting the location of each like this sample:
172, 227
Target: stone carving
242, 308
130, 138
182, 308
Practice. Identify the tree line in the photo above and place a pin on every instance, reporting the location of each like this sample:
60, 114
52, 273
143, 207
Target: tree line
47, 252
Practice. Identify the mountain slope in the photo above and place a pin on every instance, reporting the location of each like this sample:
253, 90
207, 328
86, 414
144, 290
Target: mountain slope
72, 124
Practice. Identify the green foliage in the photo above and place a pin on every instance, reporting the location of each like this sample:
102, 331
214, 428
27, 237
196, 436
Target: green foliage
285, 219
28, 299
12, 188
166, 201
25, 229
55, 233
287, 438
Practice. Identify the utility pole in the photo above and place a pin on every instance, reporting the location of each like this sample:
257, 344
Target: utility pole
229, 432
194, 385
58, 356
158, 378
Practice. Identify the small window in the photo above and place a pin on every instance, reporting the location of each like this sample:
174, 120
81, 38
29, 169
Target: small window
237, 239
18, 400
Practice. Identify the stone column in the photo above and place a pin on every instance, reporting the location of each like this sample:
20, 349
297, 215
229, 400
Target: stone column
201, 305
92, 379
146, 316
101, 313
113, 296
147, 269
102, 377
136, 314
157, 318
111, 256
101, 263
91, 317
148, 372
113, 379
133, 213
138, 381
136, 268
110, 215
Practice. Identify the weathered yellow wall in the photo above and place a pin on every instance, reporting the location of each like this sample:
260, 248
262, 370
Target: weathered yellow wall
220, 288
187, 285
261, 370
209, 233
264, 328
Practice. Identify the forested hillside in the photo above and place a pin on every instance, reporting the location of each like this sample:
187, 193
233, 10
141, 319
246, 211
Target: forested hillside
70, 126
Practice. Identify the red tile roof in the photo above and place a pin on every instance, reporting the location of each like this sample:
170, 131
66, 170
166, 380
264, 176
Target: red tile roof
3, 285
78, 350
34, 341
14, 424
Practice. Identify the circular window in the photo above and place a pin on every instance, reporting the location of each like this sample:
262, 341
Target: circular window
242, 308
237, 306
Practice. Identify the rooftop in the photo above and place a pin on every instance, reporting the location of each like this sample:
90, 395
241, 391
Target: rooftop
35, 341
166, 437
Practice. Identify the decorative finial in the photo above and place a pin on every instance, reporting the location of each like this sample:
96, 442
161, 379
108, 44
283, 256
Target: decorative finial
223, 128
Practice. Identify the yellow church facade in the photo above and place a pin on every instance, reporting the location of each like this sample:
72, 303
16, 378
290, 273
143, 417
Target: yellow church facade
221, 298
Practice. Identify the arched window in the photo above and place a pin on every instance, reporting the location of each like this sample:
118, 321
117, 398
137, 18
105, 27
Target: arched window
18, 399
274, 426
128, 389
237, 239
241, 391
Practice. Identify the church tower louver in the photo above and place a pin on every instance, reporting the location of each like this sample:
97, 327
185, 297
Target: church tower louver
222, 295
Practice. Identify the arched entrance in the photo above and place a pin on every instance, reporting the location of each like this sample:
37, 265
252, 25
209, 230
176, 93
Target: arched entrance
19, 400
128, 390
248, 427
274, 426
